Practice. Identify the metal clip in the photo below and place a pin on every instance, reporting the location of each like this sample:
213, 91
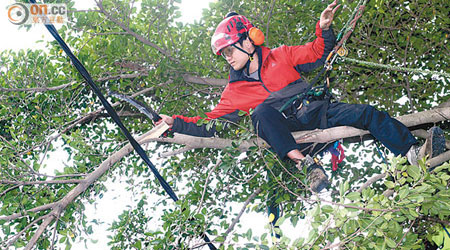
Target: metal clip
342, 51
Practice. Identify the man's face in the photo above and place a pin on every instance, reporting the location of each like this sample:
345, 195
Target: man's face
236, 58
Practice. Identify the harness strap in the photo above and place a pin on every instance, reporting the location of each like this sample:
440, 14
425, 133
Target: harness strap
302, 95
250, 57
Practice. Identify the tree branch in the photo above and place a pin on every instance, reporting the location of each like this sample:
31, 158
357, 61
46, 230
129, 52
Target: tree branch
59, 206
371, 181
210, 171
238, 217
9, 189
33, 210
24, 183
205, 81
42, 89
17, 236
134, 34
87, 117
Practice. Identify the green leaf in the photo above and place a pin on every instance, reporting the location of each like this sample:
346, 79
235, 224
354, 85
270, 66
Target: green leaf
414, 172
390, 243
403, 193
354, 196
438, 239
389, 184
280, 221
138, 244
343, 187
327, 208
413, 212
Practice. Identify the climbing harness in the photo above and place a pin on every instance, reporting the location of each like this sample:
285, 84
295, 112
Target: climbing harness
85, 74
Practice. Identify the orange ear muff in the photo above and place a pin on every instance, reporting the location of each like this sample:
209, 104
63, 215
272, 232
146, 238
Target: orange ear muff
256, 35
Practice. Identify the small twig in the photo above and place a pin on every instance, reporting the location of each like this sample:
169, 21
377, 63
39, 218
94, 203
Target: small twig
34, 90
137, 36
26, 183
268, 22
9, 189
175, 152
371, 181
352, 236
409, 229
237, 218
210, 171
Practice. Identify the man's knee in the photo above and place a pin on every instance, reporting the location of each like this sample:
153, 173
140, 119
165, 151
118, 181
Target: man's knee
262, 116
372, 115
263, 111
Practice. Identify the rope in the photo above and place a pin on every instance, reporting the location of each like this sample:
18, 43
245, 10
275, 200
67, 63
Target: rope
380, 153
351, 23
446, 230
395, 68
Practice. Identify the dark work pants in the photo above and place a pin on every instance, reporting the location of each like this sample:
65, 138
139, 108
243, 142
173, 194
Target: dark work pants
275, 128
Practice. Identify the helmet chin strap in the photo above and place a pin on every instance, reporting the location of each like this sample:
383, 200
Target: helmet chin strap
250, 57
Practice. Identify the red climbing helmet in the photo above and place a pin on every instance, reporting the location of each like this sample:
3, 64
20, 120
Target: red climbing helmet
229, 31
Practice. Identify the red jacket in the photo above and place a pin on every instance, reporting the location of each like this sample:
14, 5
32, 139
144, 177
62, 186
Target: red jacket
279, 74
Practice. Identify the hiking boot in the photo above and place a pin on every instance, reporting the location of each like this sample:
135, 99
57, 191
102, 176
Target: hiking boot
436, 145
433, 146
316, 177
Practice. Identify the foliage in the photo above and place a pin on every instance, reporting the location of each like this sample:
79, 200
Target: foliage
153, 56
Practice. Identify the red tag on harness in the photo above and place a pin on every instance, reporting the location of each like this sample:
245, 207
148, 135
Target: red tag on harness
337, 158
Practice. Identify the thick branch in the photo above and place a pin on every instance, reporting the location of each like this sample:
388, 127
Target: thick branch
205, 81
49, 218
371, 181
33, 210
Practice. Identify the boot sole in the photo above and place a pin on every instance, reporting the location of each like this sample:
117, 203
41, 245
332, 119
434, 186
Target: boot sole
437, 141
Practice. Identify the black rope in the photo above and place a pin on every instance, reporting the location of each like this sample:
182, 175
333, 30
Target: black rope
82, 70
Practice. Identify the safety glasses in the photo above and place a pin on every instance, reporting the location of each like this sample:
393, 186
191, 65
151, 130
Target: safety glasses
228, 51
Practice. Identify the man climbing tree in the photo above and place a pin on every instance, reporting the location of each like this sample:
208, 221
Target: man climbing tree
265, 79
